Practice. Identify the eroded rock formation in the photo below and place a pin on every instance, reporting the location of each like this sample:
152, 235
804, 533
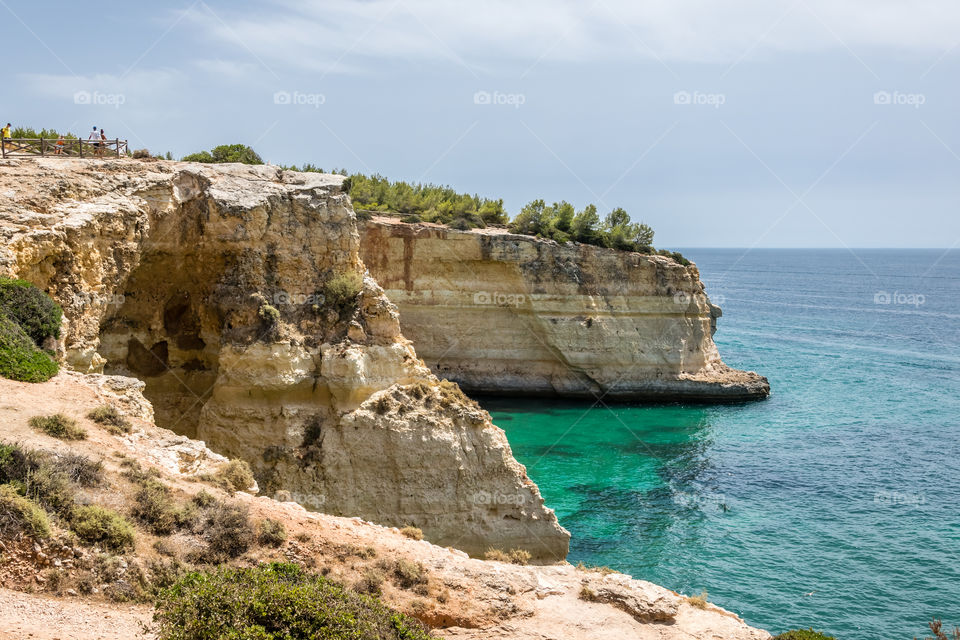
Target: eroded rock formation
237, 294
503, 313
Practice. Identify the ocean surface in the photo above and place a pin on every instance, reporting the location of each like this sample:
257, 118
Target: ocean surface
833, 504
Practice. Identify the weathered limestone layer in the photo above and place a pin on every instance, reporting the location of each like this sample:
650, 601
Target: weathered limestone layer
502, 313
211, 284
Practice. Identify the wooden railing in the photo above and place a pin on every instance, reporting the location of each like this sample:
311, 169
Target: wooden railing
53, 147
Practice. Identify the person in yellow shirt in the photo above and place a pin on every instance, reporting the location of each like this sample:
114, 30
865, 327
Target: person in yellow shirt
5, 135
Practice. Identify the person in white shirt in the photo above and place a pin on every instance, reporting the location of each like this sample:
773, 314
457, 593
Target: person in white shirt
96, 138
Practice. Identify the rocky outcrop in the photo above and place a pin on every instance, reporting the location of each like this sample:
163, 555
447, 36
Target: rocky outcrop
237, 295
457, 596
502, 313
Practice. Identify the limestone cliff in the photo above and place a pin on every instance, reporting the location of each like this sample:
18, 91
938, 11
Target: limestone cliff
461, 598
510, 314
237, 295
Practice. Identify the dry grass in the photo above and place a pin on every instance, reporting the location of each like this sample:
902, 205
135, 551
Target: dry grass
700, 601
413, 533
514, 556
58, 426
110, 419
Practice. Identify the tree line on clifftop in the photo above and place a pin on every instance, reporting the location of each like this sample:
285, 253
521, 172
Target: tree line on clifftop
424, 202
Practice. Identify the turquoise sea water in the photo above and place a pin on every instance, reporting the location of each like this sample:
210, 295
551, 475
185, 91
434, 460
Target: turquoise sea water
833, 504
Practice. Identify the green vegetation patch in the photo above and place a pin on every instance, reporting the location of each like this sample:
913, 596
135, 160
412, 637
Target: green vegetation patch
110, 419
46, 134
32, 309
226, 153
96, 525
58, 426
342, 289
428, 202
20, 515
38, 476
20, 358
272, 533
275, 601
154, 507
28, 317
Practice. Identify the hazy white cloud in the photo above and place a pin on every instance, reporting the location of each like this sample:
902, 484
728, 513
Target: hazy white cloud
326, 35
230, 69
140, 85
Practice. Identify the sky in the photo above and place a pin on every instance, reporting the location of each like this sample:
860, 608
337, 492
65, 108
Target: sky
746, 123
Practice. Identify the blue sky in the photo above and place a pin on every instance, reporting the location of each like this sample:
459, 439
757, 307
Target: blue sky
769, 123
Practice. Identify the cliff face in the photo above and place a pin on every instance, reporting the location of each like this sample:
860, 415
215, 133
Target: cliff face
460, 597
215, 286
510, 314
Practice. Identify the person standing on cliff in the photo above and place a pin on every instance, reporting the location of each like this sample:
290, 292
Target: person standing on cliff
4, 136
96, 141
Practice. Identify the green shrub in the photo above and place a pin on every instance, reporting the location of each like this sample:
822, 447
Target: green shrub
803, 634
203, 499
21, 515
154, 507
38, 476
275, 602
236, 475
81, 469
371, 582
109, 418
272, 533
133, 471
427, 202
227, 530
48, 134
20, 358
226, 153
404, 573
32, 309
342, 289
58, 426
97, 525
